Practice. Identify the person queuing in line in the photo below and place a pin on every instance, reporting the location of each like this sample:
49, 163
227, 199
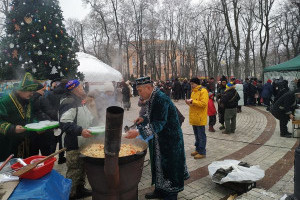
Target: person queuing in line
211, 85
246, 90
187, 89
239, 88
176, 88
198, 116
125, 95
284, 108
267, 93
221, 110
211, 112
16, 110
168, 88
41, 141
230, 102
52, 101
75, 118
161, 121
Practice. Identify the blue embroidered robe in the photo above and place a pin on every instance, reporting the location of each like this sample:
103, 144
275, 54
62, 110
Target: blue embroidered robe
167, 149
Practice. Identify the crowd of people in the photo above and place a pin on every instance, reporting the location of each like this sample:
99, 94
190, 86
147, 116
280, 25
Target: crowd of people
159, 121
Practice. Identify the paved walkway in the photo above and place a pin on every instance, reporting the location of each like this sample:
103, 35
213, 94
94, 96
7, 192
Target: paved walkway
256, 141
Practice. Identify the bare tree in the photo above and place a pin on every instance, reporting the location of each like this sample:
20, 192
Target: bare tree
233, 30
264, 19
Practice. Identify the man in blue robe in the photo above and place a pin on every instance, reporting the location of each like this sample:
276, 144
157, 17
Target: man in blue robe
168, 165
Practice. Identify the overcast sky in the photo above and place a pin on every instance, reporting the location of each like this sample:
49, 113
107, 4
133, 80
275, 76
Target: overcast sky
73, 9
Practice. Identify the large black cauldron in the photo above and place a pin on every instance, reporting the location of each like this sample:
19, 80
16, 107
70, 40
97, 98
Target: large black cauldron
113, 178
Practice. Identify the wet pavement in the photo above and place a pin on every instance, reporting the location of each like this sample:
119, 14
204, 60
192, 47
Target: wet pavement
255, 141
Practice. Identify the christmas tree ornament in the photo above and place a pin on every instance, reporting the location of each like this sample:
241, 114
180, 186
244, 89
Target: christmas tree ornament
33, 35
61, 74
46, 63
40, 53
9, 35
48, 38
56, 36
41, 41
6, 63
66, 69
39, 20
11, 45
50, 22
54, 46
29, 53
57, 25
61, 56
28, 20
17, 27
47, 47
26, 63
37, 31
33, 70
24, 3
15, 54
18, 46
20, 58
14, 20
10, 64
45, 28
54, 70
22, 66
61, 31
30, 61
53, 59
22, 23
34, 46
58, 67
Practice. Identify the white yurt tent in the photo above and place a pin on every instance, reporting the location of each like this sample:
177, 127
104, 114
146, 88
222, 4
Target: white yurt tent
98, 74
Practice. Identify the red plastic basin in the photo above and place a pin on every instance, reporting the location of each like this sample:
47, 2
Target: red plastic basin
38, 171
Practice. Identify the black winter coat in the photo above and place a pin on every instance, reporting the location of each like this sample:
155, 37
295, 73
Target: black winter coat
230, 98
285, 105
52, 101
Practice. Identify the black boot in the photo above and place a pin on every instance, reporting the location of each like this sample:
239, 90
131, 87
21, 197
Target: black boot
287, 135
83, 192
61, 160
154, 195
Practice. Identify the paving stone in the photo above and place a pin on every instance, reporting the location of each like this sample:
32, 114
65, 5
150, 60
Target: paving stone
250, 125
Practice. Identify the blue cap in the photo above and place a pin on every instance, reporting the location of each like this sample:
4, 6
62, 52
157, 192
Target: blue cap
71, 85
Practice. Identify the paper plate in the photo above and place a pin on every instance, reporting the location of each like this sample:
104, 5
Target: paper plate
96, 130
42, 125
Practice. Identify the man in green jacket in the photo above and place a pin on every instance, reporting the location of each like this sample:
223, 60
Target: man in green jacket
15, 112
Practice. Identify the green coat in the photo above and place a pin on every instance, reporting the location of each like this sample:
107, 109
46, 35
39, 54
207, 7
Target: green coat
12, 113
168, 164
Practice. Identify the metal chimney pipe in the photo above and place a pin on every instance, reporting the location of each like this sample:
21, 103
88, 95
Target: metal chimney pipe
113, 133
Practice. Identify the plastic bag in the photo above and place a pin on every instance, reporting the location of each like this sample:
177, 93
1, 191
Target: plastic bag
7, 178
52, 186
238, 174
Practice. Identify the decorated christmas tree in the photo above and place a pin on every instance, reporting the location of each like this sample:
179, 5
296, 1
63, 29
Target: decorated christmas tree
36, 41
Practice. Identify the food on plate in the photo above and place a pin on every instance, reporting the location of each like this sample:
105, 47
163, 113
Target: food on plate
97, 150
42, 124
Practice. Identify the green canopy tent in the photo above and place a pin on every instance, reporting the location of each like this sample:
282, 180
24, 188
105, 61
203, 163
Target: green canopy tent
289, 70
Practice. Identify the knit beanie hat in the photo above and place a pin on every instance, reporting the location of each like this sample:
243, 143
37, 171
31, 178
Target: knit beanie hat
195, 80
